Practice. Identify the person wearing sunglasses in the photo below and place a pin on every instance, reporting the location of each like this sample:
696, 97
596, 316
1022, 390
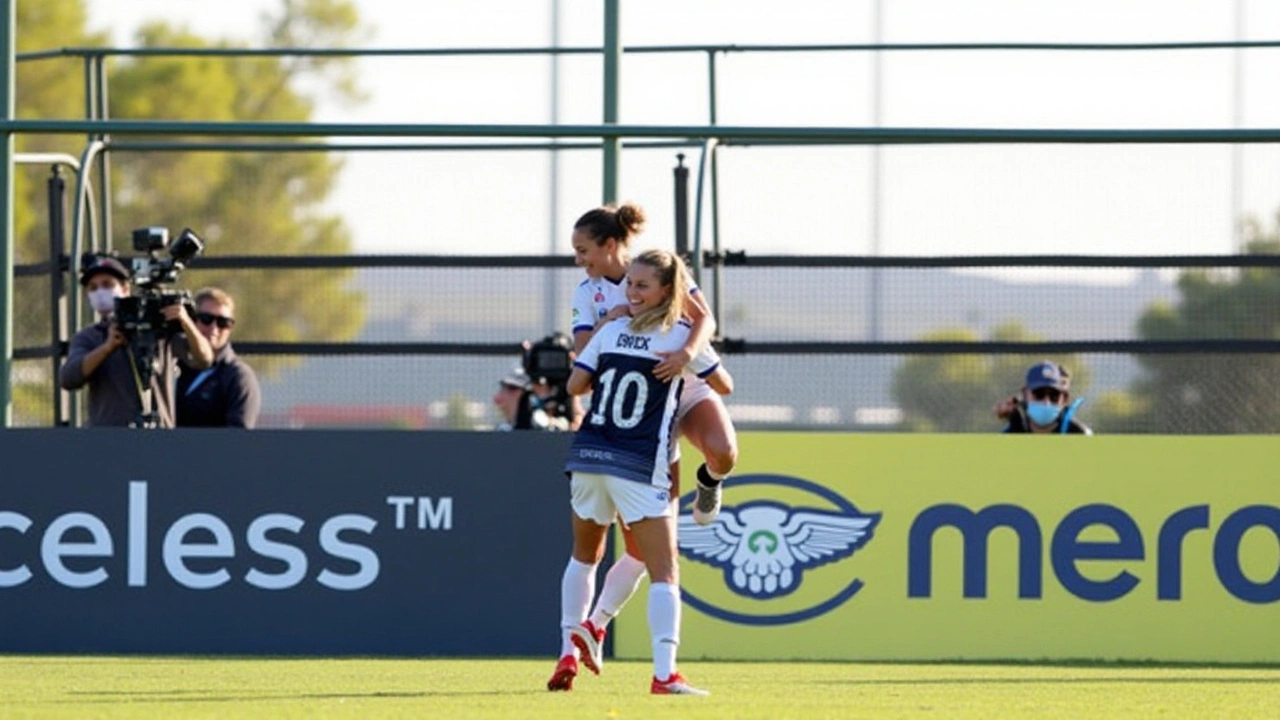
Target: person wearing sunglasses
100, 357
1045, 405
225, 394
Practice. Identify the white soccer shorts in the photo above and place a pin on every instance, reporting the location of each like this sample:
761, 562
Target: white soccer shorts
695, 390
600, 498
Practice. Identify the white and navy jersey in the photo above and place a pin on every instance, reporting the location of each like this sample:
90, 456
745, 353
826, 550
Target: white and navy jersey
595, 297
628, 431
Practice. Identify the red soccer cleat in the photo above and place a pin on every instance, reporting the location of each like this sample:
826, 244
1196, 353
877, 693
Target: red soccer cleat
589, 640
566, 671
674, 685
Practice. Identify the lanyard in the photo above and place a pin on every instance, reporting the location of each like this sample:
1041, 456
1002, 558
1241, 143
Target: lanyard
204, 375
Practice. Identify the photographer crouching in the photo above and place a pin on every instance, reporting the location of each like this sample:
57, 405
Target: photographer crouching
129, 358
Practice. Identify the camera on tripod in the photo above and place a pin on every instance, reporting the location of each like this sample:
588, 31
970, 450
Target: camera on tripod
141, 314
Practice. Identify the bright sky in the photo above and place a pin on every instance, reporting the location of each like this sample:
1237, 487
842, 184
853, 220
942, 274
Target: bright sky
1103, 199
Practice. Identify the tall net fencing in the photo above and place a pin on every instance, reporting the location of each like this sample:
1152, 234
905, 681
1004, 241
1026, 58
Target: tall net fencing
820, 329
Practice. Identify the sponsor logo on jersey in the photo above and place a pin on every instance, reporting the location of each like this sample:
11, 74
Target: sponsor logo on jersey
633, 342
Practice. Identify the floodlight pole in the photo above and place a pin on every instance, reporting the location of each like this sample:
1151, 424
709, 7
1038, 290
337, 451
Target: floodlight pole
612, 61
1237, 120
550, 312
875, 286
8, 67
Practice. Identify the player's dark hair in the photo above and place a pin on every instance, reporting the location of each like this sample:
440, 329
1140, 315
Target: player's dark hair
620, 222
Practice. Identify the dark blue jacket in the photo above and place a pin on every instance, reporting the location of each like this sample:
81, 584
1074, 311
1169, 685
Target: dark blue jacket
225, 395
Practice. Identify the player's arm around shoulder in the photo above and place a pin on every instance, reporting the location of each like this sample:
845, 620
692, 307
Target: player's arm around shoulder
702, 327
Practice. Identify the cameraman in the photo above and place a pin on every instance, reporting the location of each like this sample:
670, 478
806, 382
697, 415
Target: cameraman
548, 363
526, 405
100, 357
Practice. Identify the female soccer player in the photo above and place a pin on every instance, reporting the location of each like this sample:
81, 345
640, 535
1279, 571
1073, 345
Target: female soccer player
619, 458
601, 243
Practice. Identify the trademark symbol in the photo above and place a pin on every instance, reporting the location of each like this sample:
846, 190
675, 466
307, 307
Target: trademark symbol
428, 513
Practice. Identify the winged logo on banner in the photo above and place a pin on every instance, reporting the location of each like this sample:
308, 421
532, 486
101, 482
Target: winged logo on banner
764, 546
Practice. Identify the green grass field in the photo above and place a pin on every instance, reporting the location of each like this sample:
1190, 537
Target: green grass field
154, 687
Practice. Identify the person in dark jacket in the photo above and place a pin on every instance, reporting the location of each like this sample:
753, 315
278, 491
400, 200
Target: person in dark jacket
226, 393
1045, 404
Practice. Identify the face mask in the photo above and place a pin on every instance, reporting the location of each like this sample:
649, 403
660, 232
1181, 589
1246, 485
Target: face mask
1043, 413
103, 300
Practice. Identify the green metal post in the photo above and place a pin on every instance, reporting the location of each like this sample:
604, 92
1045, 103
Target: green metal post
717, 272
104, 165
8, 68
612, 60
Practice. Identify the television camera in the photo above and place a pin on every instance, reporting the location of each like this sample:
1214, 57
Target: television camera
140, 316
548, 363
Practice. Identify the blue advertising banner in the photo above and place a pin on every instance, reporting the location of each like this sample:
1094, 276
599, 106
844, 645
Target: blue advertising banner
324, 542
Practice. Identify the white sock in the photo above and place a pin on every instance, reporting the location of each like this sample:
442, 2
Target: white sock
718, 476
576, 589
664, 627
620, 583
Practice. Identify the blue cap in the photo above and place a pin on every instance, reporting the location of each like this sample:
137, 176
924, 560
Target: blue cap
1048, 374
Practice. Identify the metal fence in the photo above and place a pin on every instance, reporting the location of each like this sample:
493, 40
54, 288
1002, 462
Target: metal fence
827, 342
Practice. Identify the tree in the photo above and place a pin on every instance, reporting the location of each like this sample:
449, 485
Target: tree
1120, 412
247, 203
460, 413
240, 203
955, 393
1208, 393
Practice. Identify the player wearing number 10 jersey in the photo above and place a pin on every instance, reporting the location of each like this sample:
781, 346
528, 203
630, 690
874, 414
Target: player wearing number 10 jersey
628, 431
618, 462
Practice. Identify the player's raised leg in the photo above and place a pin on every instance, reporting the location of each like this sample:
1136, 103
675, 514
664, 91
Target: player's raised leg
708, 428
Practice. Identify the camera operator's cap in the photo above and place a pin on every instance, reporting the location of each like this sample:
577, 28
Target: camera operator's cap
515, 379
99, 264
1050, 375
